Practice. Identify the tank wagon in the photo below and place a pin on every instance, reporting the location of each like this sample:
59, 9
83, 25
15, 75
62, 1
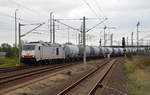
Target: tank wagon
95, 52
81, 51
115, 52
44, 52
103, 51
109, 51
71, 52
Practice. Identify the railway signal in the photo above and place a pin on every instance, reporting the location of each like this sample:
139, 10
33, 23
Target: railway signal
123, 44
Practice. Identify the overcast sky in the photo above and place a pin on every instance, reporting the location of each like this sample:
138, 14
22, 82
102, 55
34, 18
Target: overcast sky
122, 14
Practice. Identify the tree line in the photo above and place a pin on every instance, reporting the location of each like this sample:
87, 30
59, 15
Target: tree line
11, 51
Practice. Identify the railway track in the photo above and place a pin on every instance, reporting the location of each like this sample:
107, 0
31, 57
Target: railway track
6, 80
10, 69
87, 85
98, 84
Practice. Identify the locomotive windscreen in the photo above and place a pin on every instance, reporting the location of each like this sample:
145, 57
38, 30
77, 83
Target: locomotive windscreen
28, 47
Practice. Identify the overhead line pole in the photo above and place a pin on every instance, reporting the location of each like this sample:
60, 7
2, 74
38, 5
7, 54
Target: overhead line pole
51, 26
104, 36
84, 43
81, 33
53, 30
138, 35
16, 27
112, 39
68, 35
127, 41
19, 38
79, 40
132, 39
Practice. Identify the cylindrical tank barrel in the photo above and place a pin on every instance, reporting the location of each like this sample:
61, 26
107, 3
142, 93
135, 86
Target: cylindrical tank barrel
71, 50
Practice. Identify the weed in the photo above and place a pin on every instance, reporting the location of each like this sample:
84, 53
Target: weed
137, 78
8, 62
130, 57
92, 63
59, 80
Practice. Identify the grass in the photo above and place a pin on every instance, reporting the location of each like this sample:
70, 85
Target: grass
138, 83
138, 71
92, 63
8, 62
130, 57
59, 80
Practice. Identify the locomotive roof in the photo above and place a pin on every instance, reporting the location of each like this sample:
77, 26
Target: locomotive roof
43, 44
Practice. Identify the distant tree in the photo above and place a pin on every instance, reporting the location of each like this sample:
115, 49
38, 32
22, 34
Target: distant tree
1, 49
5, 47
10, 51
40, 41
68, 43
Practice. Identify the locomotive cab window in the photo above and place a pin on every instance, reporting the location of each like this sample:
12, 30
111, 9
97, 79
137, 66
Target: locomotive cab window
28, 47
39, 48
57, 51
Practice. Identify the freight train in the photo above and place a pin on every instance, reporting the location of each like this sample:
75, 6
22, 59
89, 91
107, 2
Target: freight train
44, 52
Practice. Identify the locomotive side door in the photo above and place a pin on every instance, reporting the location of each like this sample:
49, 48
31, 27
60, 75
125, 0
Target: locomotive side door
40, 52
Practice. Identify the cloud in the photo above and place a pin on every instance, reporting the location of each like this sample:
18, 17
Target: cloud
123, 14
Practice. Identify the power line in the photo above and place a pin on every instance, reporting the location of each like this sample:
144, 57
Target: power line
99, 7
91, 8
97, 24
22, 6
67, 25
9, 16
79, 19
30, 30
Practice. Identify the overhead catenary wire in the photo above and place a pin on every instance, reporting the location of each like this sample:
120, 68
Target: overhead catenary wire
79, 19
99, 7
91, 9
25, 7
28, 9
12, 17
68, 25
31, 30
97, 24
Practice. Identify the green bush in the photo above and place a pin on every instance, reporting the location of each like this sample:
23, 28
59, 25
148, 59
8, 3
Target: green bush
130, 57
10, 51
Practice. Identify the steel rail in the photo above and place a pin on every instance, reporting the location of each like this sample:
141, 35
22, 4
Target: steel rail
35, 70
81, 79
9, 69
10, 78
98, 83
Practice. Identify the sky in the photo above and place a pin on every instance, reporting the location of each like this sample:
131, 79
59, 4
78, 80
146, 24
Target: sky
121, 14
